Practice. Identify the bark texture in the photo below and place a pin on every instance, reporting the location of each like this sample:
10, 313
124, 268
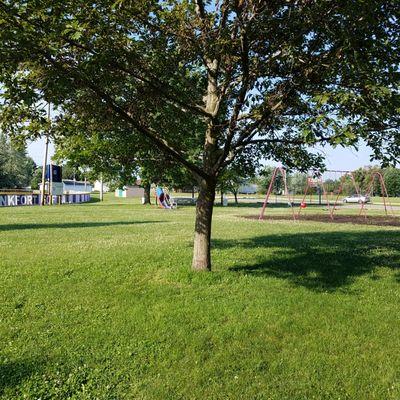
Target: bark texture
202, 235
147, 197
207, 185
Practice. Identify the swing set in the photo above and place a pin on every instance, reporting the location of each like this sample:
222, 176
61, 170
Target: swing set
316, 181
290, 202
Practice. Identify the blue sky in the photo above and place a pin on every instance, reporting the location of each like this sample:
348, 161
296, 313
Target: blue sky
337, 159
347, 159
36, 151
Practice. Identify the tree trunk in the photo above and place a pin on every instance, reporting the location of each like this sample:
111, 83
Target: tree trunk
202, 235
101, 188
222, 198
206, 187
236, 199
147, 197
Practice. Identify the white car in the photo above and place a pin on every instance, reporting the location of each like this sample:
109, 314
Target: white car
356, 198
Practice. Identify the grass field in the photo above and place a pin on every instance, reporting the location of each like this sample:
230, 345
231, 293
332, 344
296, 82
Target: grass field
97, 301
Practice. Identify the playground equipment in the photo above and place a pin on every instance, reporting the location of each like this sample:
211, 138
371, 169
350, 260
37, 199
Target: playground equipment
385, 196
290, 202
316, 180
345, 176
363, 199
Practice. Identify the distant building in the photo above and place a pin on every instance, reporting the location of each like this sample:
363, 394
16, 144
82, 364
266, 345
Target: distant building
69, 187
76, 187
134, 191
248, 189
97, 187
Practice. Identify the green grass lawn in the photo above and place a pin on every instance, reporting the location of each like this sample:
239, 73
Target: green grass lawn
98, 302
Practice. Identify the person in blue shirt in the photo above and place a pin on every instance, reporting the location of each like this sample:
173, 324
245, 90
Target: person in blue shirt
161, 197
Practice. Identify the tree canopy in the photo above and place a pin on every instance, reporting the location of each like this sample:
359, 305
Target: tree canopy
116, 154
208, 81
16, 168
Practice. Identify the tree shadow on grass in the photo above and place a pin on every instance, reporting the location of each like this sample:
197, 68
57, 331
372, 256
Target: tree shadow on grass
67, 225
12, 374
93, 199
320, 261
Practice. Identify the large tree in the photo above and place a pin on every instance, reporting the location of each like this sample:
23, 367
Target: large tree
267, 78
16, 168
116, 153
392, 181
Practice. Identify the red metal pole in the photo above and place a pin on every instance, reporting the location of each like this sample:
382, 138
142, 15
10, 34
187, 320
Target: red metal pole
383, 189
261, 217
304, 197
385, 195
369, 190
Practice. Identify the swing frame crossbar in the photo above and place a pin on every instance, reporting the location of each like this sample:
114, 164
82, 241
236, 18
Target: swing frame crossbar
313, 181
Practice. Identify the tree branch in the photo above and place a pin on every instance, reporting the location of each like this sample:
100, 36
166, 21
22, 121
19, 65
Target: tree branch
160, 87
244, 56
127, 116
200, 9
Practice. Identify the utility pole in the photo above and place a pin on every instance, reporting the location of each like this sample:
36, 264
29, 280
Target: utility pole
51, 182
43, 191
46, 150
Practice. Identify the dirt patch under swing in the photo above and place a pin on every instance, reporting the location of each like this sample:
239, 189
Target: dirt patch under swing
338, 219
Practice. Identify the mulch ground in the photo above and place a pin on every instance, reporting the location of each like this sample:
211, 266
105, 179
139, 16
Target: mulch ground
338, 219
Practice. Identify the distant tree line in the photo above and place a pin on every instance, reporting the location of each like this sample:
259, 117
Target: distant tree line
16, 168
297, 181
367, 181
